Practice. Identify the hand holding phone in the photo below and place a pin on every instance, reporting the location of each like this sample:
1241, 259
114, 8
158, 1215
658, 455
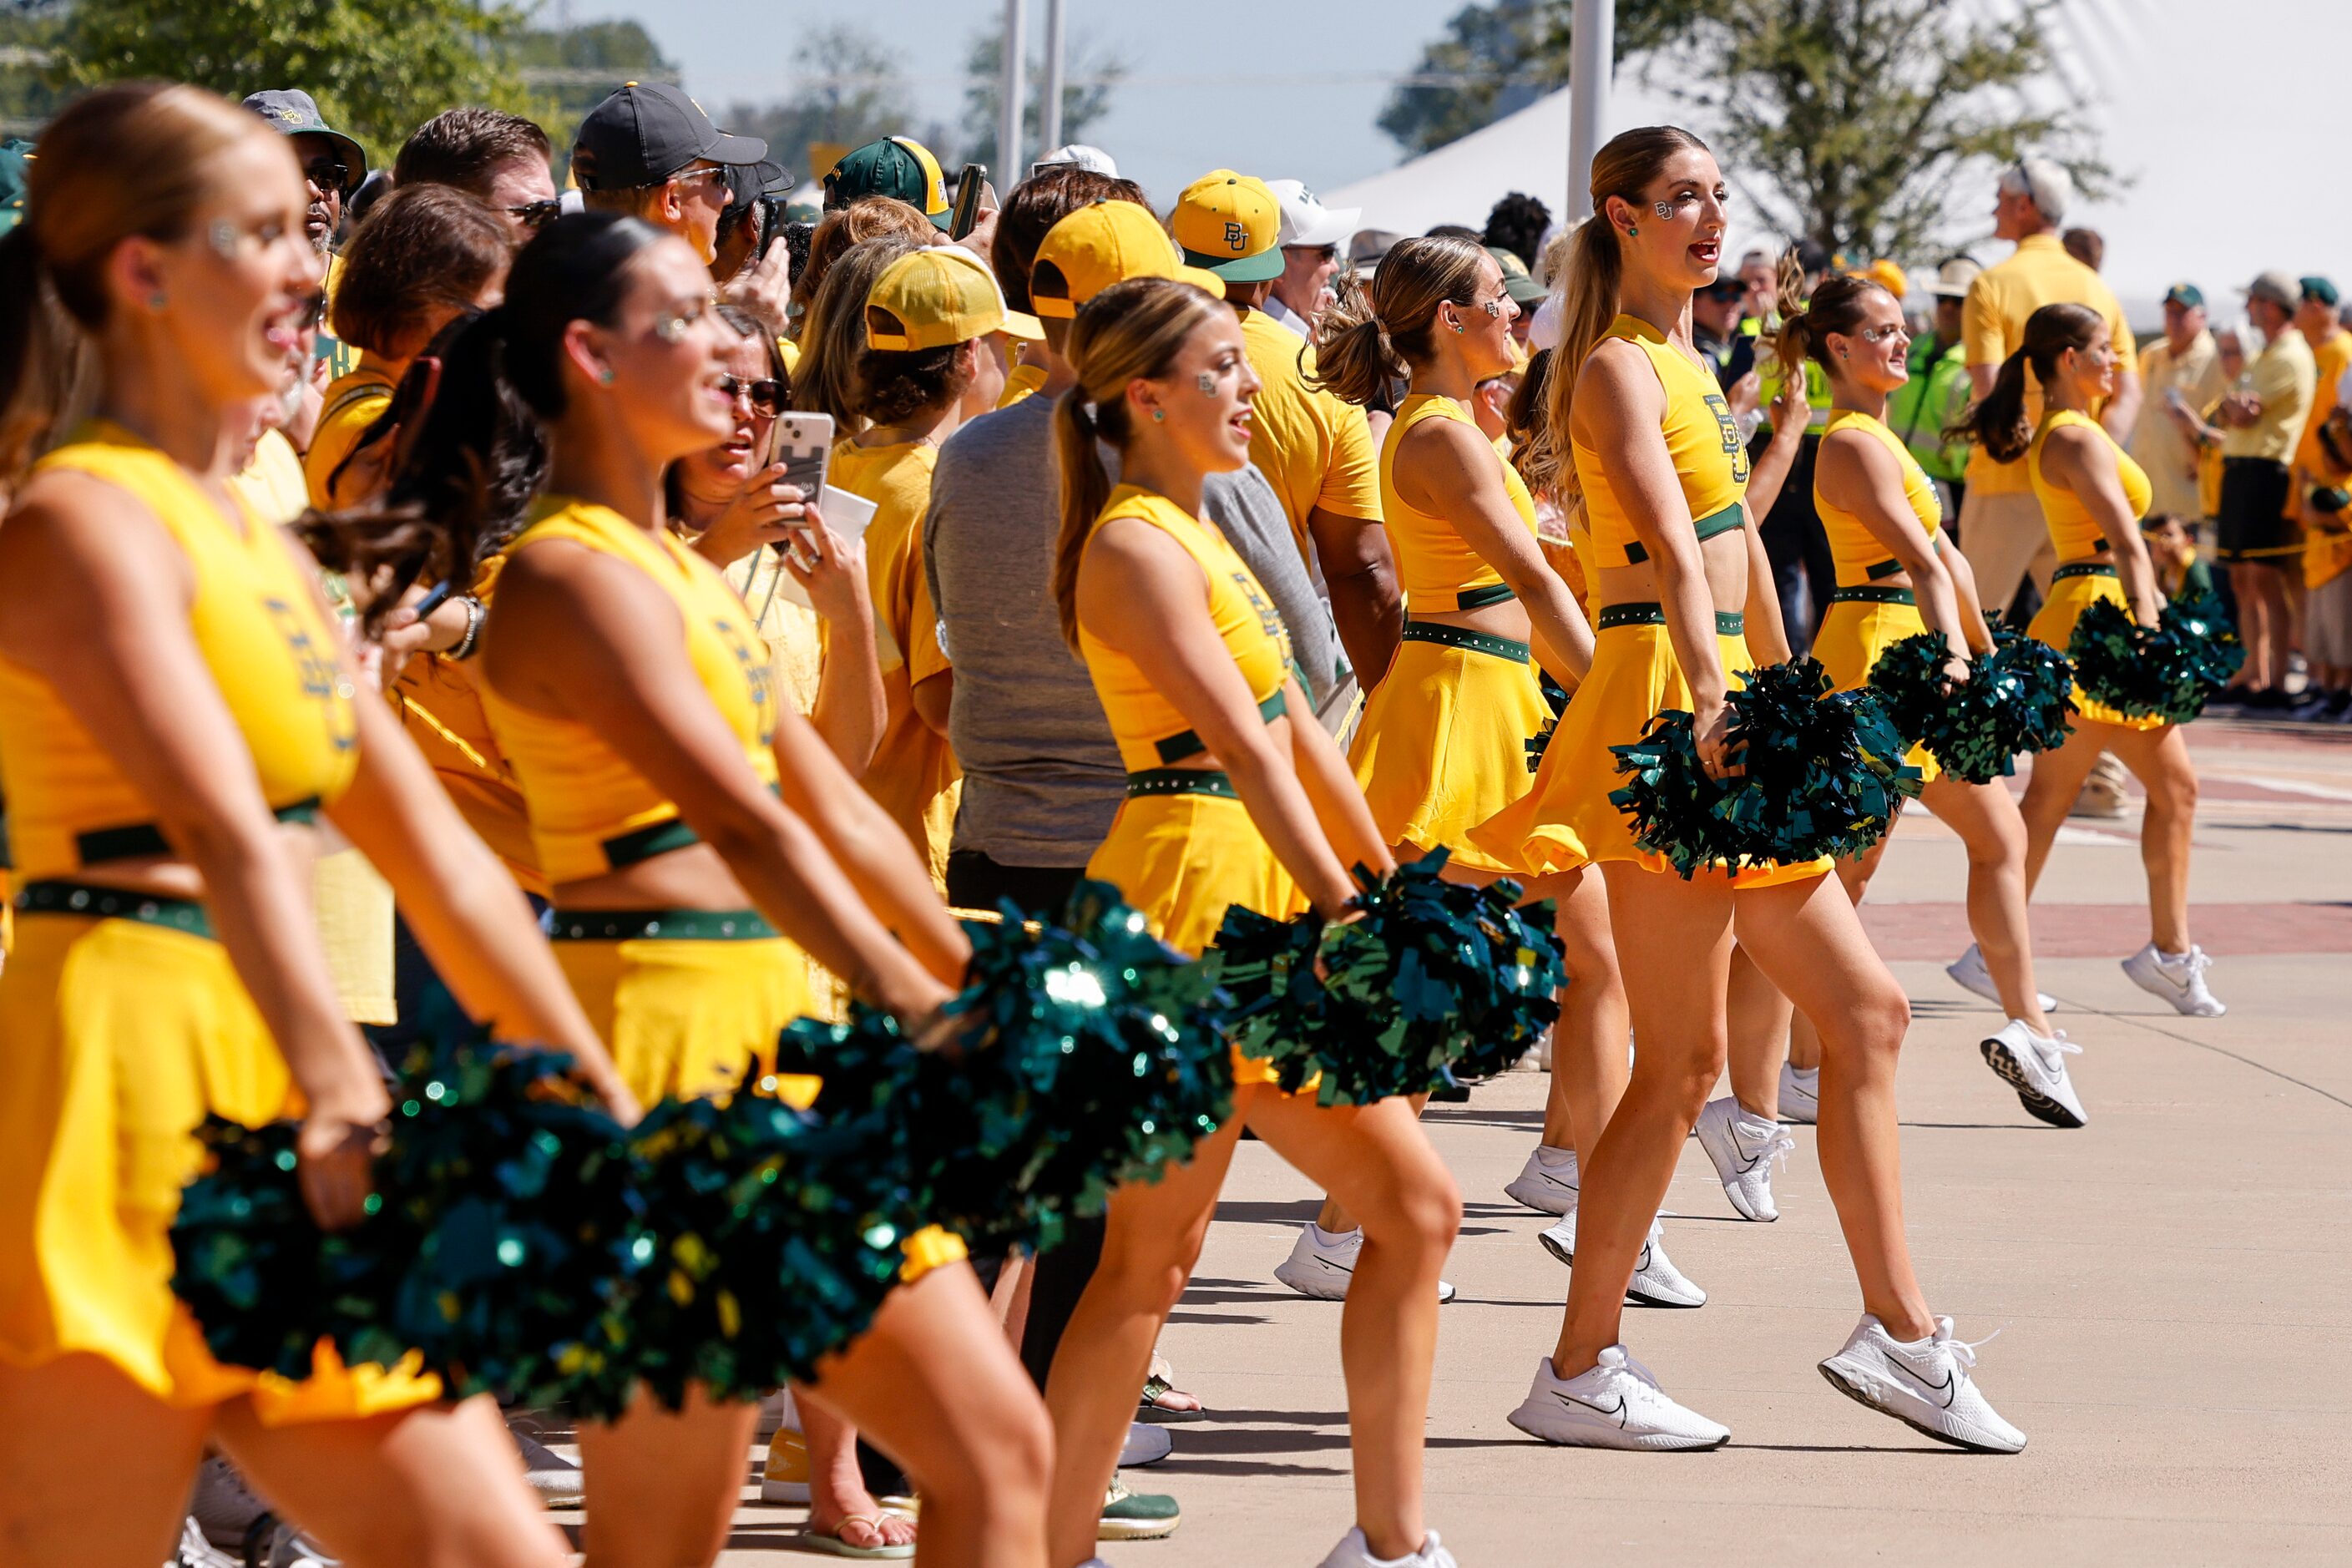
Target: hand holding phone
965, 211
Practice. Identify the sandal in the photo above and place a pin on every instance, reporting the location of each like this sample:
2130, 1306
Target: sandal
1154, 1408
834, 1545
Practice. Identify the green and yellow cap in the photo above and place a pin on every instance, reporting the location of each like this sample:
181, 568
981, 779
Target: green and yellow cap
1229, 225
897, 166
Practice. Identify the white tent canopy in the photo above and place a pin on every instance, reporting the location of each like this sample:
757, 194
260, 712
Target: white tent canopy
2220, 131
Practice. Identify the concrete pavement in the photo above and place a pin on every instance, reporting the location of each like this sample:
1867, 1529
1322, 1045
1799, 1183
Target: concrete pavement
2172, 1284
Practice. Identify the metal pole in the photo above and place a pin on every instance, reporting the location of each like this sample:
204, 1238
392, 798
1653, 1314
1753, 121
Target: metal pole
1008, 115
1591, 53
1049, 111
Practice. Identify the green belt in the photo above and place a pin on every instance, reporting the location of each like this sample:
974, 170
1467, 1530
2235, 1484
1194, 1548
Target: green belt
2083, 569
1706, 528
1177, 747
1479, 599
1181, 781
1878, 568
669, 925
58, 898
141, 838
1728, 623
1463, 637
1866, 596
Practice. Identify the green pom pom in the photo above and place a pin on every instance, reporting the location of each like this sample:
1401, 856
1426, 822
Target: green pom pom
2016, 699
1092, 1057
1825, 775
1437, 982
2168, 671
1557, 696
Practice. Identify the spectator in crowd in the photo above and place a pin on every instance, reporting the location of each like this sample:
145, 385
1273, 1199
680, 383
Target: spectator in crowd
1714, 322
1525, 292
2001, 526
2315, 500
2086, 245
2181, 377
333, 164
427, 255
1938, 393
1310, 237
2263, 424
868, 217
1057, 188
752, 220
1317, 449
500, 160
1519, 224
1804, 574
1364, 251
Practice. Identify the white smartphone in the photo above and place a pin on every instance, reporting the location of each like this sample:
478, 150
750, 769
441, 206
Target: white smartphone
802, 443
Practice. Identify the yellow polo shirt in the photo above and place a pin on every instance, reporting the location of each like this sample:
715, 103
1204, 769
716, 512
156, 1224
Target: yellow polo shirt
2326, 552
353, 403
1992, 328
2284, 376
1313, 449
1022, 381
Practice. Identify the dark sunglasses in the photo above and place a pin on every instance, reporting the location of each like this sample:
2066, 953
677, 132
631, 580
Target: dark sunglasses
767, 397
536, 216
328, 174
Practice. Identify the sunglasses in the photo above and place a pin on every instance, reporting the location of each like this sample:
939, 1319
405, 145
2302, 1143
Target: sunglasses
536, 216
767, 395
328, 174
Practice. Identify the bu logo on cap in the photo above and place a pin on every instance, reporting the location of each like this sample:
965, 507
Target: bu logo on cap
1237, 236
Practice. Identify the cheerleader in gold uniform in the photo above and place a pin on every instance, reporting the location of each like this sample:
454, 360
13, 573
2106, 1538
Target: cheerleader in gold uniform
2092, 496
1897, 576
1441, 745
173, 717
1236, 796
1656, 461
688, 827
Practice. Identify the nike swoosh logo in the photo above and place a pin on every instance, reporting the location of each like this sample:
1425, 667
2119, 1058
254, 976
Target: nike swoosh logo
1946, 1388
1336, 1267
1617, 1410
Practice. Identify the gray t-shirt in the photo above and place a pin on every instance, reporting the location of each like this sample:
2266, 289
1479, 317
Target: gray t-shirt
1042, 779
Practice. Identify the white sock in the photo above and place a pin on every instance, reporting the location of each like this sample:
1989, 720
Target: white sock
1547, 1155
1804, 1075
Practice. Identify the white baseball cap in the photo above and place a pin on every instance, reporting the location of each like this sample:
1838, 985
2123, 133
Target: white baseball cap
1307, 221
1094, 160
1543, 332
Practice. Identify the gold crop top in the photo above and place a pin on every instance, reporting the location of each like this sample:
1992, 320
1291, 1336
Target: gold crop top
1710, 461
263, 636
1437, 567
1150, 731
1859, 556
590, 810
2073, 530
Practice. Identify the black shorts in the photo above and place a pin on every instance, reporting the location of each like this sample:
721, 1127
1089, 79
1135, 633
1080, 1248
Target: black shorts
2252, 524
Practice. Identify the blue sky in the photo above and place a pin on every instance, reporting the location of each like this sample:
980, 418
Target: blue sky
1236, 79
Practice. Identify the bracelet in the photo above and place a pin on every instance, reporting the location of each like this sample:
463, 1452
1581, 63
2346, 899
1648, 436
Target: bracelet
474, 616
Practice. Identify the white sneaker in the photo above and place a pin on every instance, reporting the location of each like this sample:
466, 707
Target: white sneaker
2035, 1066
2177, 977
1656, 1281
1801, 1094
1924, 1384
1546, 1184
1969, 971
1743, 1148
1616, 1404
1355, 1552
1321, 1264
1145, 1445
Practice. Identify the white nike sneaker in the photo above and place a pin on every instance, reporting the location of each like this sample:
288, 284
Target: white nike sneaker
2035, 1066
1743, 1148
1924, 1384
1656, 1281
1616, 1404
1321, 1264
1544, 1186
1972, 976
1355, 1552
2177, 977
1801, 1094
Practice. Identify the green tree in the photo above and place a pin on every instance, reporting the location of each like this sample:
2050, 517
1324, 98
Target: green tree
377, 69
1090, 74
1500, 55
1873, 126
850, 94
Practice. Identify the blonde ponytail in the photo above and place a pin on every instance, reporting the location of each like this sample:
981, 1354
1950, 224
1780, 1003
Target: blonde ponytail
1085, 487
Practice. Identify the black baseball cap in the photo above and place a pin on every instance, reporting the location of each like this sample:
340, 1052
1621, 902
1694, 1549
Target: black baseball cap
647, 132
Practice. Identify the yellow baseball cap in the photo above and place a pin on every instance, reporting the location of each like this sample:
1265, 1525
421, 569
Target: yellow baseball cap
936, 297
1231, 225
1103, 243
